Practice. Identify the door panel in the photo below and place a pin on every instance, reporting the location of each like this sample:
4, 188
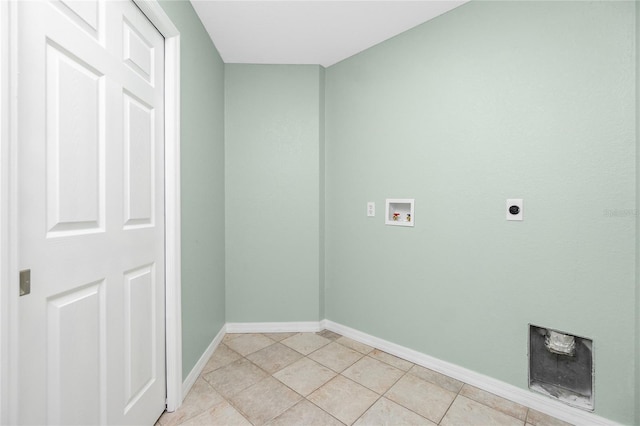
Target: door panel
75, 144
76, 332
84, 13
91, 214
140, 326
138, 155
138, 52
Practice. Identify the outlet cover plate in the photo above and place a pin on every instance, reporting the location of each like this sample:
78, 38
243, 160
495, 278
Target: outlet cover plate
514, 209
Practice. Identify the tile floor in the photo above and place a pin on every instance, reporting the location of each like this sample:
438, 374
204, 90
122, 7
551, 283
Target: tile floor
326, 379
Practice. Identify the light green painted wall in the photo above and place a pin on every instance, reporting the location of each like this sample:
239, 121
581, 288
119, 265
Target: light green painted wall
202, 184
272, 138
493, 100
322, 195
637, 115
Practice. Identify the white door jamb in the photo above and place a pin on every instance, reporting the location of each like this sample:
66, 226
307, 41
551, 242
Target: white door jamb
173, 312
8, 213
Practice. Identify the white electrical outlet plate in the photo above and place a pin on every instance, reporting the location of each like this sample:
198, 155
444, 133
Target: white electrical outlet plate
514, 209
371, 209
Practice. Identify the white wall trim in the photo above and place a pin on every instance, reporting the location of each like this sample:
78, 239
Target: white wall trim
274, 327
8, 213
173, 285
497, 387
202, 362
4, 252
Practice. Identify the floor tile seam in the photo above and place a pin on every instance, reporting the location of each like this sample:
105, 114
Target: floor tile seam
452, 401
447, 410
290, 388
524, 422
193, 416
302, 398
242, 413
243, 389
384, 395
459, 390
341, 371
235, 335
494, 408
271, 374
315, 350
373, 390
390, 387
229, 348
526, 417
208, 382
257, 350
352, 381
302, 353
333, 339
368, 408
404, 372
323, 410
298, 360
458, 393
365, 354
388, 363
261, 369
311, 360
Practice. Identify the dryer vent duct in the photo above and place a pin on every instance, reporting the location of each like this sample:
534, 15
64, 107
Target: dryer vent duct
561, 366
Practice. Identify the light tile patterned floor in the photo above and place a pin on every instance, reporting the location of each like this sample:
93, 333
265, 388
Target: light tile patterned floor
326, 379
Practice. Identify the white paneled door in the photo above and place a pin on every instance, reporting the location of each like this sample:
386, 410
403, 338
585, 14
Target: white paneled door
91, 213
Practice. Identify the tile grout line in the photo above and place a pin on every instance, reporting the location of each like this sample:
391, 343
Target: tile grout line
380, 395
340, 374
245, 357
337, 374
323, 410
390, 387
368, 354
451, 404
303, 398
268, 376
334, 338
227, 399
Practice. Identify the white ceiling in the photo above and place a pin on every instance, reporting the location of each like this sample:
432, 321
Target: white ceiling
308, 32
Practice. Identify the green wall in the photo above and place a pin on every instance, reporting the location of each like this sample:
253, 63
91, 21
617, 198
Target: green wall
273, 136
322, 196
490, 101
637, 212
202, 184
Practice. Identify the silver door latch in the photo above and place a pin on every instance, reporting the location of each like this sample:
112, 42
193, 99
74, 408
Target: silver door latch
25, 282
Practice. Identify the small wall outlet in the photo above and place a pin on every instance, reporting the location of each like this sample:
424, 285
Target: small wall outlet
514, 209
371, 209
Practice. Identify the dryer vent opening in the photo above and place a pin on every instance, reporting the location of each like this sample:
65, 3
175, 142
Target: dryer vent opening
561, 366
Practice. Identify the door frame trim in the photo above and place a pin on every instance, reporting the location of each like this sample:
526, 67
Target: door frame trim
173, 282
9, 207
8, 213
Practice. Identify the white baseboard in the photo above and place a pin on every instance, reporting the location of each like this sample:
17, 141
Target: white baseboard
497, 387
197, 369
274, 327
